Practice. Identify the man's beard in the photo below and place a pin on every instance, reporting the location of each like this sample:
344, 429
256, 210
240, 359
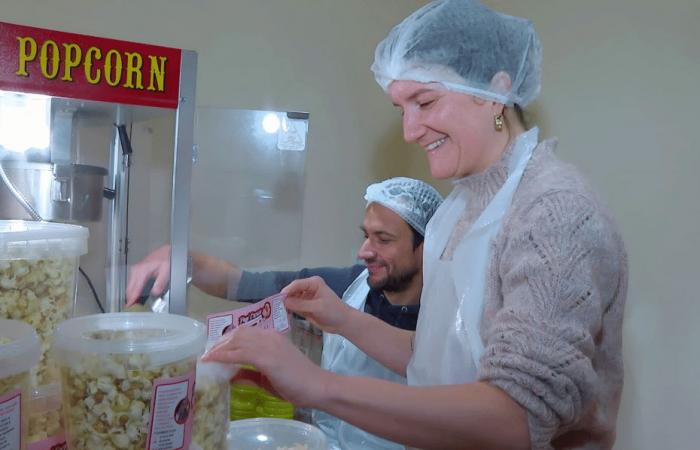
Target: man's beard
395, 283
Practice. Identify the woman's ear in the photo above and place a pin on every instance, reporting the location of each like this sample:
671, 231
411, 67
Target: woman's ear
501, 83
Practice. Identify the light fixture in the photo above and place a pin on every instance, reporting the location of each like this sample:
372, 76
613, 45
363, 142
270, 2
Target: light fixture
24, 121
271, 123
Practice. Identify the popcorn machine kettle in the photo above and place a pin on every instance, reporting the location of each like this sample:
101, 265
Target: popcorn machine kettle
99, 132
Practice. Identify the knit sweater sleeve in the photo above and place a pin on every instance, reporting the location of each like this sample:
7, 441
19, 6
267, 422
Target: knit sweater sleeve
557, 272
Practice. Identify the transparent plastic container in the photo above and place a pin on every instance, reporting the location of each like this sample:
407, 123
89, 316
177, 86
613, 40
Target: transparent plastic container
275, 434
38, 269
19, 353
211, 411
353, 438
128, 379
46, 431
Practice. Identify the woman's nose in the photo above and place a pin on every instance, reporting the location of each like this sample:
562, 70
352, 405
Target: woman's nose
412, 129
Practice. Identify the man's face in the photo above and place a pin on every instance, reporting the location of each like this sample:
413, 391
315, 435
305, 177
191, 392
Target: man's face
388, 250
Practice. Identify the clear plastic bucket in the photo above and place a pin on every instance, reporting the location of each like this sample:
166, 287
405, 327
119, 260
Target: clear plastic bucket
211, 410
38, 268
128, 379
19, 353
275, 434
45, 420
353, 438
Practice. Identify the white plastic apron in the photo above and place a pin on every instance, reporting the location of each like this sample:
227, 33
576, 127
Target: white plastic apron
448, 345
343, 357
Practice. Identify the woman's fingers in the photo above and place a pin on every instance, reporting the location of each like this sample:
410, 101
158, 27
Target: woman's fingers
224, 355
300, 306
305, 288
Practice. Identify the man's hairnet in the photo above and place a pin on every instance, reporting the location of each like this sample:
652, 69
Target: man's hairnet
413, 200
468, 48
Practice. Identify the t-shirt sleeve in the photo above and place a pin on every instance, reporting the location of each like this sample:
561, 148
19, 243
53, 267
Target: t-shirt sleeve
254, 286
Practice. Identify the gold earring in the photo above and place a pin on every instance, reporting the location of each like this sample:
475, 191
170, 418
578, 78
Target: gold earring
498, 122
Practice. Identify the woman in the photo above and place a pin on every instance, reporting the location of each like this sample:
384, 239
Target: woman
518, 344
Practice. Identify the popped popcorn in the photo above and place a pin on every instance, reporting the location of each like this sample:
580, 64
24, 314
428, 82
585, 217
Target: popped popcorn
44, 425
211, 406
18, 381
45, 420
107, 398
40, 293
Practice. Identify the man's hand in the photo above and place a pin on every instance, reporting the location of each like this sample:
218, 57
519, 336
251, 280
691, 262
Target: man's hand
156, 265
313, 299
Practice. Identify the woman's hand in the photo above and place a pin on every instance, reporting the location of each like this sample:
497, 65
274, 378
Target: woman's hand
313, 299
290, 373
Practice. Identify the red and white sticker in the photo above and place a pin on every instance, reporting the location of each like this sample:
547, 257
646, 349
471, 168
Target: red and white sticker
11, 420
172, 413
269, 314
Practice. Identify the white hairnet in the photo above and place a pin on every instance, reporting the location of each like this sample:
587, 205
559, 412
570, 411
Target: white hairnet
463, 45
413, 200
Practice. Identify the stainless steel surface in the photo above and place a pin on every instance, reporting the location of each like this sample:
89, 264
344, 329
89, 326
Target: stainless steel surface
182, 173
116, 226
57, 192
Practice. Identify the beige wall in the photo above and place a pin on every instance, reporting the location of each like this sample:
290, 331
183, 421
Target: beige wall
620, 84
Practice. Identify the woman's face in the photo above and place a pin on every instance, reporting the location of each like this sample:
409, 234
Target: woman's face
456, 130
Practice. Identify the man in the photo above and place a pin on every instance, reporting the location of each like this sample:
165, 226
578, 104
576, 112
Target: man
387, 286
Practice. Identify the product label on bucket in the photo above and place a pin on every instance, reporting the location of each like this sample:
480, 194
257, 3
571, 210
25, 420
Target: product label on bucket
269, 313
172, 413
10, 423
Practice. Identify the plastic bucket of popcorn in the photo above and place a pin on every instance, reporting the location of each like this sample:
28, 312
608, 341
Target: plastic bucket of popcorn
45, 420
128, 380
38, 269
275, 434
211, 410
19, 353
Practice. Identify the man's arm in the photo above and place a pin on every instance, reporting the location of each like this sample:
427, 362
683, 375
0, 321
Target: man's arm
253, 286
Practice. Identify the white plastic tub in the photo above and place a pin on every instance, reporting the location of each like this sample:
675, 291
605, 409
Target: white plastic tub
19, 353
128, 379
38, 269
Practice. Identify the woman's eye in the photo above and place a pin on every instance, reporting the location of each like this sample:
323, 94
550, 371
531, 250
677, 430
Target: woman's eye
426, 103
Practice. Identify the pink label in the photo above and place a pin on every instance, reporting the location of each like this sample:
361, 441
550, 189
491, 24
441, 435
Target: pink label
269, 313
11, 420
57, 442
172, 413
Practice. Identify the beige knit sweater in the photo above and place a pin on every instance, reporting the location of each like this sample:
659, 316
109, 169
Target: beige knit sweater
555, 293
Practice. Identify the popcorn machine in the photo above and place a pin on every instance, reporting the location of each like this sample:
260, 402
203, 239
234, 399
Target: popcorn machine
99, 133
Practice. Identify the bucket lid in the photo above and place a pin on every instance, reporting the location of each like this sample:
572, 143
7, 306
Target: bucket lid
25, 239
22, 351
165, 338
274, 433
